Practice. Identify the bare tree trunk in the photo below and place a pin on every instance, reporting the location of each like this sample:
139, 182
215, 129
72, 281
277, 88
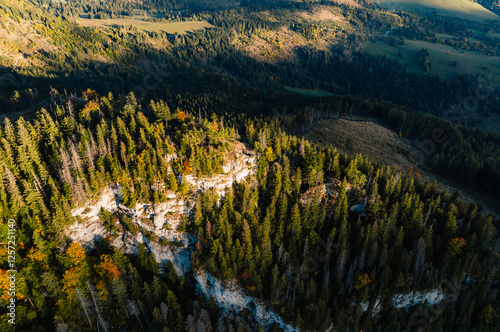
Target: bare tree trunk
84, 304
134, 310
101, 322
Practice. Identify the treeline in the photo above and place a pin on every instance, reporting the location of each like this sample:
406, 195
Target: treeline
488, 45
108, 9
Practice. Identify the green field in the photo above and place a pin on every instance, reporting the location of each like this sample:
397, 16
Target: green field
443, 61
481, 34
310, 93
459, 8
139, 23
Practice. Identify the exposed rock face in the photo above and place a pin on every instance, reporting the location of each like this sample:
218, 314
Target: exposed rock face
240, 163
400, 301
163, 221
165, 217
317, 192
232, 299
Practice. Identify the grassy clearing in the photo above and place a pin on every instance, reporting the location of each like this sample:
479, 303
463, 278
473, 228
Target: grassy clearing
459, 8
139, 23
493, 35
310, 93
481, 34
444, 36
447, 62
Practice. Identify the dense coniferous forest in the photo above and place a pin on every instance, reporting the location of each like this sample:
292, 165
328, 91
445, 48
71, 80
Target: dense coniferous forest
322, 239
407, 235
403, 235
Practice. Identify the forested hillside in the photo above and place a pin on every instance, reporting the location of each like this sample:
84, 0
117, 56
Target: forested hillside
157, 183
117, 59
377, 231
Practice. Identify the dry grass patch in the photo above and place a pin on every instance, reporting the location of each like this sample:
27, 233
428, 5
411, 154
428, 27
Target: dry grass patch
276, 46
351, 3
320, 14
168, 27
459, 8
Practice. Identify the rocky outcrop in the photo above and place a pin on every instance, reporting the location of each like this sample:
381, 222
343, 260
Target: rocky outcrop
162, 219
232, 300
240, 163
405, 301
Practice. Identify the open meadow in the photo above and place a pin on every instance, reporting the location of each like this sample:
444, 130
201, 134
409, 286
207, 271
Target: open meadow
447, 62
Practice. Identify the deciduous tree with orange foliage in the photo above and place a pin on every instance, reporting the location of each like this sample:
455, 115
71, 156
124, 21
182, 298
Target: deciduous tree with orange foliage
181, 116
187, 167
361, 280
5, 284
91, 107
456, 245
106, 268
78, 271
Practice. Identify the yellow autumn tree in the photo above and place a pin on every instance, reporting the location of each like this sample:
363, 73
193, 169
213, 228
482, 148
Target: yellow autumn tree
78, 271
5, 286
36, 255
76, 253
269, 153
103, 290
181, 116
3, 254
90, 94
90, 107
71, 280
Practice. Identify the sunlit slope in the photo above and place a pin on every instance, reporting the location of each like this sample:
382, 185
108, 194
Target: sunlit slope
459, 8
169, 27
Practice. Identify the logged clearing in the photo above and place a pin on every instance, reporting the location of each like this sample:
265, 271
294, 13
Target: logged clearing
273, 46
20, 41
168, 27
447, 61
459, 8
356, 134
280, 45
